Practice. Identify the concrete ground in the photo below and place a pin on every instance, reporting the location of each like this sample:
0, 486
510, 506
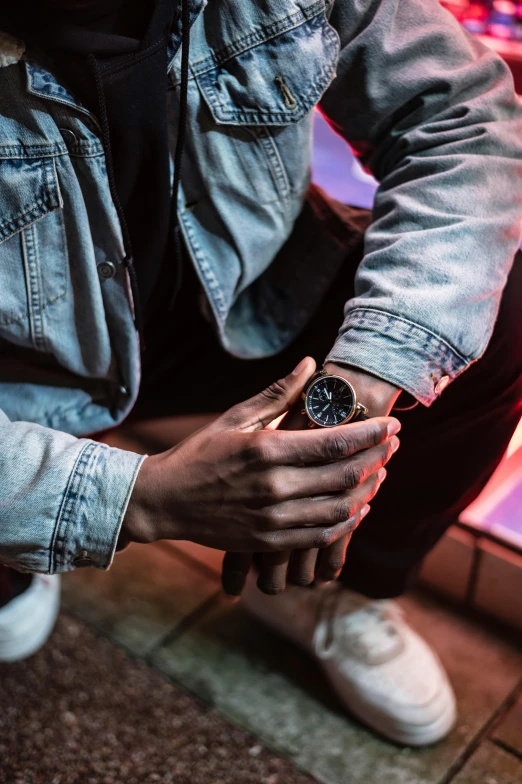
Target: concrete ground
115, 715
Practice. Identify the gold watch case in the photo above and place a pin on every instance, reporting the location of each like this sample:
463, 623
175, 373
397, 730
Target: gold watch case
357, 408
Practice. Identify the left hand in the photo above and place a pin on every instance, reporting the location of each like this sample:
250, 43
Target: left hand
302, 567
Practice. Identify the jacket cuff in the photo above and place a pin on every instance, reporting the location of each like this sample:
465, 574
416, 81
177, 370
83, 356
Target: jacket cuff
399, 351
93, 507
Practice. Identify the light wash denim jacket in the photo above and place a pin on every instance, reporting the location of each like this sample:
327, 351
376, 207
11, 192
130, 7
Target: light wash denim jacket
433, 115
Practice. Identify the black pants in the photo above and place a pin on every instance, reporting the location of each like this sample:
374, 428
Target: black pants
448, 451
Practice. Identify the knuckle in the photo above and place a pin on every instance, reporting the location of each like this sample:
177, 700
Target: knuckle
343, 509
273, 486
271, 519
272, 545
339, 445
324, 538
353, 475
257, 451
268, 542
275, 391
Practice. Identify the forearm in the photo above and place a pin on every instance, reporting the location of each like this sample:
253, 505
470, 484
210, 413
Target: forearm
442, 133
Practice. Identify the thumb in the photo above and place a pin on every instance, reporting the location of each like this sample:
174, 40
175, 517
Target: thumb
257, 412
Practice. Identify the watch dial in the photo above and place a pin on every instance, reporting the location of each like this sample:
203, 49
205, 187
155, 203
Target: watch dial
330, 401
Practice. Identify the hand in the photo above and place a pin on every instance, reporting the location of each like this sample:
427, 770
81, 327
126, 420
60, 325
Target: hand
236, 486
302, 567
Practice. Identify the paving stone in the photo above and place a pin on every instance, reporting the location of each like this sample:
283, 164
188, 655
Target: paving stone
145, 594
509, 731
273, 689
490, 765
83, 712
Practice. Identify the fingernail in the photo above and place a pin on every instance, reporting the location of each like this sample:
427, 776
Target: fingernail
394, 427
301, 366
381, 473
365, 510
395, 443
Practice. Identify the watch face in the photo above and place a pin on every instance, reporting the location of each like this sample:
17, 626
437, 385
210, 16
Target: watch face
330, 401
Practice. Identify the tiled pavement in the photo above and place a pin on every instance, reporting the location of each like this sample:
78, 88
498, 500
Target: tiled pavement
162, 603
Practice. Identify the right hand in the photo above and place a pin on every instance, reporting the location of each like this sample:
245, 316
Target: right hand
235, 486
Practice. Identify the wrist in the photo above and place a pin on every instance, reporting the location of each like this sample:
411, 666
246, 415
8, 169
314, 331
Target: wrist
152, 513
136, 526
378, 395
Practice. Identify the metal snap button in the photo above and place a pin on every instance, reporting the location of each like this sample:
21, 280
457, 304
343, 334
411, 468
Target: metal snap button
106, 270
83, 559
68, 135
442, 384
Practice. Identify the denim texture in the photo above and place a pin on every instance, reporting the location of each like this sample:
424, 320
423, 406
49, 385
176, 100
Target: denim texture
431, 112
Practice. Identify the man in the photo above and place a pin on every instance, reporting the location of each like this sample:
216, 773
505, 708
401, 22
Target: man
112, 112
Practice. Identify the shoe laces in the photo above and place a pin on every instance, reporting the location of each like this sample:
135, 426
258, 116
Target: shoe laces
349, 624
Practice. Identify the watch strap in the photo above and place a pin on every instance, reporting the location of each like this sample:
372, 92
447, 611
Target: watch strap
316, 375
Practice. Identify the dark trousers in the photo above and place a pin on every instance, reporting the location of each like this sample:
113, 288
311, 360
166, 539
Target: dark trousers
448, 451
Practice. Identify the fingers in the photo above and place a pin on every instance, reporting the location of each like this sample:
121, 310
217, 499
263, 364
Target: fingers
302, 567
284, 483
234, 573
322, 510
259, 411
309, 538
272, 572
331, 560
324, 445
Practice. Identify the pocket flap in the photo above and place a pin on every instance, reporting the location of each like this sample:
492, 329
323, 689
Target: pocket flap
276, 82
29, 191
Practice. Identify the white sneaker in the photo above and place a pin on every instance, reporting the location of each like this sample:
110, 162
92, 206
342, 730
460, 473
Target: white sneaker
381, 670
27, 620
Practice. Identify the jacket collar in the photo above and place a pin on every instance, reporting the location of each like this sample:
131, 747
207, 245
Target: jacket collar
44, 84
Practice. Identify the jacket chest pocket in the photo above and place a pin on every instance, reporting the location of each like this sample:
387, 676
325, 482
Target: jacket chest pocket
275, 82
32, 248
266, 86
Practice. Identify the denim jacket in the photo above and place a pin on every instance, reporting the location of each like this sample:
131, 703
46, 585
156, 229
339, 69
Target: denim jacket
431, 112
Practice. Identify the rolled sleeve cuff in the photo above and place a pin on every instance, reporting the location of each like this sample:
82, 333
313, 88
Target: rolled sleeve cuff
399, 351
93, 507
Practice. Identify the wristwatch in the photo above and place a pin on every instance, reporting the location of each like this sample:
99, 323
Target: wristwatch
331, 400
